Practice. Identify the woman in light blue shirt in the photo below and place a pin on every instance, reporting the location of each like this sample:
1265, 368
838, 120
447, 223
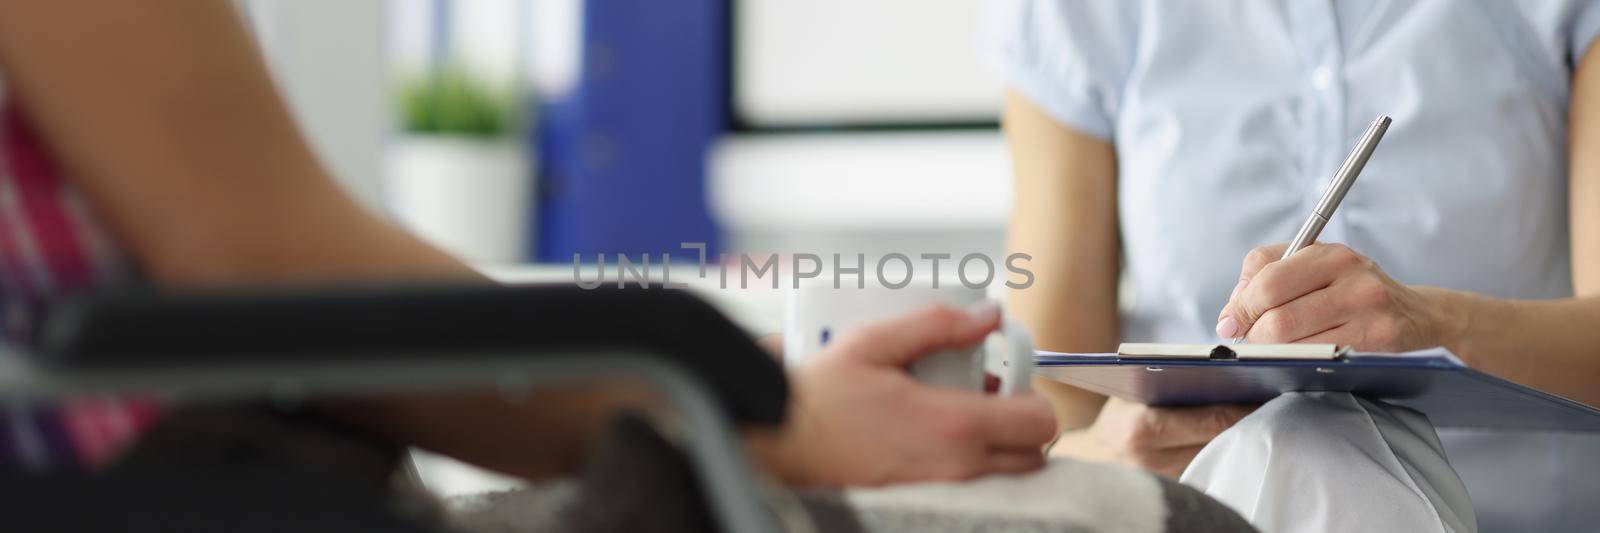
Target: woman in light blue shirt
1160, 142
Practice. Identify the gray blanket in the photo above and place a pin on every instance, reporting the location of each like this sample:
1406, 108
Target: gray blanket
639, 482
636, 481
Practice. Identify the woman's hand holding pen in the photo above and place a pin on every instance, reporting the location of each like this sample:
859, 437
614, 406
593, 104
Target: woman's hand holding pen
1324, 293
1328, 293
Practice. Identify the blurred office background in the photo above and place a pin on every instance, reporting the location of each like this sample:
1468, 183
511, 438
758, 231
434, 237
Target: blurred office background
629, 126
517, 133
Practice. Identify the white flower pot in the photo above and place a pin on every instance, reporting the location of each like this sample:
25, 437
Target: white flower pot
468, 196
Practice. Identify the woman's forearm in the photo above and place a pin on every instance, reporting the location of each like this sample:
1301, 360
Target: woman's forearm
1064, 217
1551, 345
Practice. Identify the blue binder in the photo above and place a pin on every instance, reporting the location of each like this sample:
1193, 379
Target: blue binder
622, 158
1434, 382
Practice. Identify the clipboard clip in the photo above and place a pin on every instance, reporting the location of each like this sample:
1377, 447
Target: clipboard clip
1231, 352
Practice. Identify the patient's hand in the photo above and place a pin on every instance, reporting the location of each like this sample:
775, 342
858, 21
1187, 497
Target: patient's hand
1159, 439
1328, 293
858, 418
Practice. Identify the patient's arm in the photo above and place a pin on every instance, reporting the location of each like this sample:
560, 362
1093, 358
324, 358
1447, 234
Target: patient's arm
165, 116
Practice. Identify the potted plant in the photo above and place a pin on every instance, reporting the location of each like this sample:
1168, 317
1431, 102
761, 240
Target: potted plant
458, 174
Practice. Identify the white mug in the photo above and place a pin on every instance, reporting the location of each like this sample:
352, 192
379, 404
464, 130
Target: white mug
817, 313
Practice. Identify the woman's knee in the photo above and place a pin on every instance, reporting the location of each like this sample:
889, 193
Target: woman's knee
1300, 417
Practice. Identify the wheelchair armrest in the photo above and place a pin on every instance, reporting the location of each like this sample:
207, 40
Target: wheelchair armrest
147, 328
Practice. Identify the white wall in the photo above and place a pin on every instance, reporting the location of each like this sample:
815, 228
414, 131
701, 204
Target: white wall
872, 193
487, 36
505, 41
829, 61
822, 62
328, 59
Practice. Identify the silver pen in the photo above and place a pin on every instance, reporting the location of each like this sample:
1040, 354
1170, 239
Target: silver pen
1342, 180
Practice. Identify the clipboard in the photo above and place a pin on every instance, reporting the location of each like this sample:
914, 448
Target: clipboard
1432, 381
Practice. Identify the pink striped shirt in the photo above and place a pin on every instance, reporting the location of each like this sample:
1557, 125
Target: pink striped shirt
51, 244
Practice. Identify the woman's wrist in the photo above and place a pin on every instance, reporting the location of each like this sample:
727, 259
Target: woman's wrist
1461, 319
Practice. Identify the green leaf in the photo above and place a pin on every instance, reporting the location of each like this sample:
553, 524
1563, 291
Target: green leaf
451, 101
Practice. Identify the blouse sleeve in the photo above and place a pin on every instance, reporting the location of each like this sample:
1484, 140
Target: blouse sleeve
1070, 57
1585, 29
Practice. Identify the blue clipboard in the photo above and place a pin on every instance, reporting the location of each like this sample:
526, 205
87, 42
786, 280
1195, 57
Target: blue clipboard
1433, 381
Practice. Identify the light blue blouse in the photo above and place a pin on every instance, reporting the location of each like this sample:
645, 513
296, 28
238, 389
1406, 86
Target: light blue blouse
1230, 117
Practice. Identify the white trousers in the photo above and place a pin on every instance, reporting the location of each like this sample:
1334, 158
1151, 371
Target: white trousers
1332, 462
